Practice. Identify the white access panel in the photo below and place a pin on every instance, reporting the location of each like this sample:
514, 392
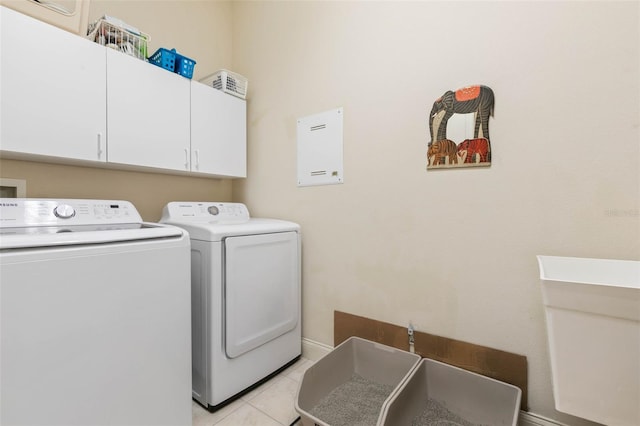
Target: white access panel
320, 157
261, 289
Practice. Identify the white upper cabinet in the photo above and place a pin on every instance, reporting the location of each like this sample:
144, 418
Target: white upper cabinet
148, 114
52, 94
218, 132
66, 99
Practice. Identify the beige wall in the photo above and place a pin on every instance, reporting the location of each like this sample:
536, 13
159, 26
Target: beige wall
452, 251
198, 29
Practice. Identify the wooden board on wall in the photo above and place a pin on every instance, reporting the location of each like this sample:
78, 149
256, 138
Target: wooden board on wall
500, 365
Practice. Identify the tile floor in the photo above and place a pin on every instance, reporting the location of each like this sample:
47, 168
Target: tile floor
270, 404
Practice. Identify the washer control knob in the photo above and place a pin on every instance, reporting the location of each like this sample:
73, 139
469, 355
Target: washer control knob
213, 210
64, 211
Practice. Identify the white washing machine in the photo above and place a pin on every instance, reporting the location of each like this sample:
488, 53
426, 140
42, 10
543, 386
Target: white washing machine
95, 324
245, 286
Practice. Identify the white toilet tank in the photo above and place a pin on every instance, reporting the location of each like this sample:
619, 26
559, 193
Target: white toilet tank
592, 308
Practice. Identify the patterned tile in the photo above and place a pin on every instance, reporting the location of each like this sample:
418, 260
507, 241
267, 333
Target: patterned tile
250, 395
296, 371
247, 415
202, 417
277, 400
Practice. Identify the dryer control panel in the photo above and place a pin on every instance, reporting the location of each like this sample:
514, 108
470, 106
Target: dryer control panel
213, 212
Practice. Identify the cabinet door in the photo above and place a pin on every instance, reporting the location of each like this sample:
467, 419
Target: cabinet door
52, 92
147, 114
218, 132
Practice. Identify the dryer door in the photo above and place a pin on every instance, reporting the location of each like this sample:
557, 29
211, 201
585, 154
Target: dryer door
261, 289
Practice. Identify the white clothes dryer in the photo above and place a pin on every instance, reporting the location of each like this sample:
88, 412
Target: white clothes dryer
245, 297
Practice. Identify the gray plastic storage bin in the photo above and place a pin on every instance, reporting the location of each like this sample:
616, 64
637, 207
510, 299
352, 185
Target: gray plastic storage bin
438, 391
352, 383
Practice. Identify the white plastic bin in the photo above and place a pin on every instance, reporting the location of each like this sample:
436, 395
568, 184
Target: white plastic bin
329, 395
438, 393
592, 309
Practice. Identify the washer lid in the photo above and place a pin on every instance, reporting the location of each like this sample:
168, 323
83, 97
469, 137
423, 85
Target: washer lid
47, 222
49, 236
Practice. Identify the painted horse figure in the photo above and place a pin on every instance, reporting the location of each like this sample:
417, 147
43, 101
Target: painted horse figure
478, 99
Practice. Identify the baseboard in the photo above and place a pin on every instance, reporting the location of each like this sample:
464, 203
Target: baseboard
313, 350
531, 419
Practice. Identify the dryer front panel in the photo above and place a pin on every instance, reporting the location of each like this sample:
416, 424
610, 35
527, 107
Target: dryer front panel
261, 289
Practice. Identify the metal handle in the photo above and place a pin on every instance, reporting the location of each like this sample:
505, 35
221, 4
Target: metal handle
99, 145
186, 158
197, 159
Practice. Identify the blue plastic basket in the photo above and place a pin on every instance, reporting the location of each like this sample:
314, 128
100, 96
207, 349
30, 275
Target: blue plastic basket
173, 61
184, 66
164, 59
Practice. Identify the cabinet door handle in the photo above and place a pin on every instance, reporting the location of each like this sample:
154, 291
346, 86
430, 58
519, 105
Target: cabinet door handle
99, 145
197, 159
186, 158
